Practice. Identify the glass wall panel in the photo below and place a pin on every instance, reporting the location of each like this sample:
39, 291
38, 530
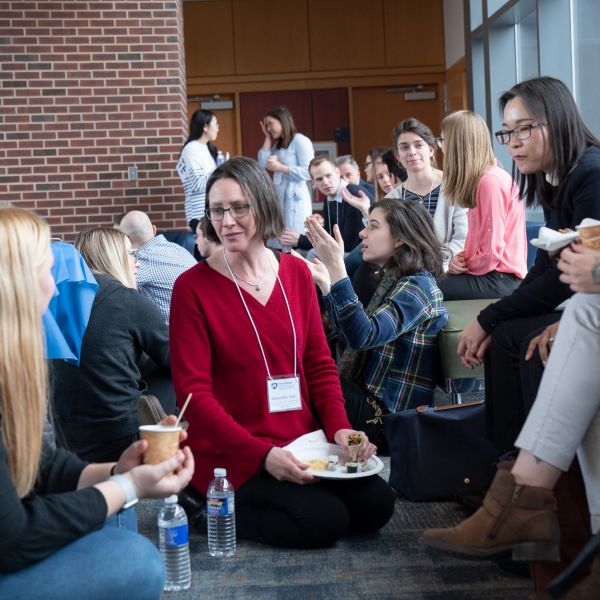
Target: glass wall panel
503, 75
476, 13
494, 5
528, 65
555, 40
587, 60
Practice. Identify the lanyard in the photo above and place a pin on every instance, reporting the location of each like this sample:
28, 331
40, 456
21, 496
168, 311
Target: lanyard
252, 320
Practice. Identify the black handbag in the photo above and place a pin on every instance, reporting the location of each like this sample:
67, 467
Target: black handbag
439, 453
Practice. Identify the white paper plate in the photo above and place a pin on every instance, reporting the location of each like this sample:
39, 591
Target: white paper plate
316, 451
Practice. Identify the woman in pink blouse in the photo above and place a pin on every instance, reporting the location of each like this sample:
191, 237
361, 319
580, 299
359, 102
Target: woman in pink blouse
494, 259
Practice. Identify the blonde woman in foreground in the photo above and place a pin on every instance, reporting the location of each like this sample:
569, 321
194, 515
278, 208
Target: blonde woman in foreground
60, 534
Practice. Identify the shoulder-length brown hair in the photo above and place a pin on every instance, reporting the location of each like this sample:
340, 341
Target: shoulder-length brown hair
468, 155
284, 116
24, 252
259, 192
411, 223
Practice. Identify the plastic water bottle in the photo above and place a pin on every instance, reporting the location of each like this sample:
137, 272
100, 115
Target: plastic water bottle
220, 158
174, 546
220, 510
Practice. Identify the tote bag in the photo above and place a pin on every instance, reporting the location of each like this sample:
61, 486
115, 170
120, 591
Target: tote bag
439, 453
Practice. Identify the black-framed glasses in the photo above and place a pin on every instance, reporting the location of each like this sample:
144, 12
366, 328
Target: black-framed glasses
522, 132
367, 163
439, 142
237, 211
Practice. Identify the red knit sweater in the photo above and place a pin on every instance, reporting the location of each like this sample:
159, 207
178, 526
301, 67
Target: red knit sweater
216, 357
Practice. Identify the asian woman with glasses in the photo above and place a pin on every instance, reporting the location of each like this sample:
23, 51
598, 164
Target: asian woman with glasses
244, 324
494, 260
556, 165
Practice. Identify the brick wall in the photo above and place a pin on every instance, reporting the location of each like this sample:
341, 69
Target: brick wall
88, 89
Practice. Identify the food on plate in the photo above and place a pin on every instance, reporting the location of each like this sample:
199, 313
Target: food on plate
332, 462
355, 439
352, 467
317, 464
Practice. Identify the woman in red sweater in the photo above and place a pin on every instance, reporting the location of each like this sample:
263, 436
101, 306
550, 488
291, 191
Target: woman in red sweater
494, 260
242, 319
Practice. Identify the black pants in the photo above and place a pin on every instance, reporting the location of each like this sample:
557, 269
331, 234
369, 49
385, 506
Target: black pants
505, 372
361, 414
473, 287
288, 515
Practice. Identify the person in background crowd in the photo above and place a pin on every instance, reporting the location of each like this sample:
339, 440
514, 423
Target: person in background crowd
351, 174
60, 535
415, 150
159, 262
196, 162
251, 313
327, 179
208, 242
95, 402
286, 154
494, 260
371, 160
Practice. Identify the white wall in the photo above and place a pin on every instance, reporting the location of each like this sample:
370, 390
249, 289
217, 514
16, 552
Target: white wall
454, 31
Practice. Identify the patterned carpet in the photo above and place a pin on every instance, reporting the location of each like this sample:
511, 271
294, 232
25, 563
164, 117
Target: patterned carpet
387, 566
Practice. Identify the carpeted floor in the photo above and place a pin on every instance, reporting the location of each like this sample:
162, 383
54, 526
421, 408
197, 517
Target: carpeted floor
389, 565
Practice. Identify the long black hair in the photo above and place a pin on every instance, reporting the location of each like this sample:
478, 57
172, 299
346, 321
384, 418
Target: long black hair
550, 102
200, 119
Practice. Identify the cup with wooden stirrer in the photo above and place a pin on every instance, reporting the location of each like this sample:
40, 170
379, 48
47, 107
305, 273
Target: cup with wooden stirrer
163, 440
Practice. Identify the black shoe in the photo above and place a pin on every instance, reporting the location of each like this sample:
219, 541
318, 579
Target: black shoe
150, 410
577, 570
195, 508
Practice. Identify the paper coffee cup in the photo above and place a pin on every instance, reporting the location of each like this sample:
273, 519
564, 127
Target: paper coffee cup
590, 236
163, 442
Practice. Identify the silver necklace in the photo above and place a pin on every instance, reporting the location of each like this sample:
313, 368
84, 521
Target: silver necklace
258, 285
422, 197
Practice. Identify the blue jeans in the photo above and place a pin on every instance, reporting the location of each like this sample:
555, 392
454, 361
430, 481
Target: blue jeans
113, 563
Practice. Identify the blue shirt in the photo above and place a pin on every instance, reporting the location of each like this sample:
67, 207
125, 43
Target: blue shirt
401, 336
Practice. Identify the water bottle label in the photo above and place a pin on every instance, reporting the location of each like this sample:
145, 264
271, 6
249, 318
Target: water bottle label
220, 507
176, 536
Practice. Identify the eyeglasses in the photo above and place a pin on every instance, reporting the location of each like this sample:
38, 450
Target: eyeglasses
439, 141
237, 212
523, 132
367, 163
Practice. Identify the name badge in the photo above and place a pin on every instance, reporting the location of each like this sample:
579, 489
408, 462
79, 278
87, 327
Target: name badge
284, 394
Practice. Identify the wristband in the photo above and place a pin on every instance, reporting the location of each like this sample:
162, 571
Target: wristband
127, 488
112, 470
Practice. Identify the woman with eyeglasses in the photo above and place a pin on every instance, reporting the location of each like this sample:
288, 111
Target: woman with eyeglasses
248, 344
557, 165
415, 148
494, 260
96, 402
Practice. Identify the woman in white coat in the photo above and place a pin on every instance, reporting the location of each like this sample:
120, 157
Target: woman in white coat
286, 153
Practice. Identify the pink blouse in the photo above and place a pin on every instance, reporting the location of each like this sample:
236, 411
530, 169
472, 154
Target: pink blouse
497, 240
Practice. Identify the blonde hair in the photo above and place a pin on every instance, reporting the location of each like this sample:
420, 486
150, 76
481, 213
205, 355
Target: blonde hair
105, 251
24, 252
468, 155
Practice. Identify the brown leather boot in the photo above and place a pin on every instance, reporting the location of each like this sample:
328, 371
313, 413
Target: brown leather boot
517, 518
